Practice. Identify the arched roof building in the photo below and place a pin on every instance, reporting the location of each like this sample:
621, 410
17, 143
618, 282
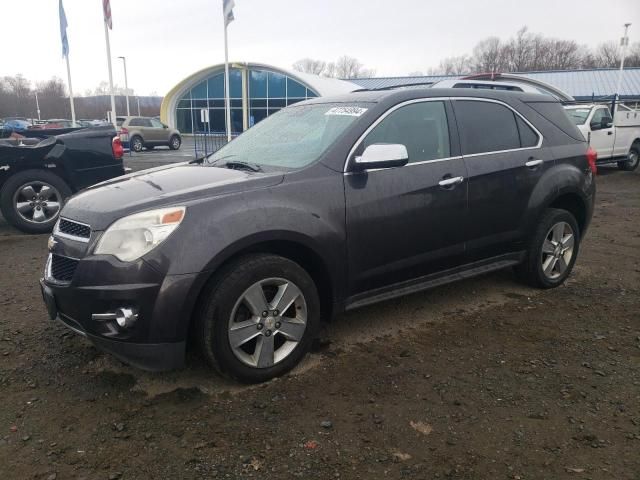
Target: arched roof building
256, 90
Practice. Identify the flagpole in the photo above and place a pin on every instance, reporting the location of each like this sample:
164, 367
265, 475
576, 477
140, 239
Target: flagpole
73, 110
113, 101
227, 105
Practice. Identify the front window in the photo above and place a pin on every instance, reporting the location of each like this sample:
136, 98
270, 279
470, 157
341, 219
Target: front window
578, 115
293, 138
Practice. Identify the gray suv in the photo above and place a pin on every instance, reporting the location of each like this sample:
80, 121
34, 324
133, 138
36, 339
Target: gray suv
145, 132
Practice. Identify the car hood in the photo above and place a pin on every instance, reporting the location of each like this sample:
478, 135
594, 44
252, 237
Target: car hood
102, 204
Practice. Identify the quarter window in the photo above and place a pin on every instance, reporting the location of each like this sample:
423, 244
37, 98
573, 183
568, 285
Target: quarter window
421, 127
528, 138
486, 127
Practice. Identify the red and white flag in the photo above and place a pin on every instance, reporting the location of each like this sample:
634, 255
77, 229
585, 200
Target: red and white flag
106, 7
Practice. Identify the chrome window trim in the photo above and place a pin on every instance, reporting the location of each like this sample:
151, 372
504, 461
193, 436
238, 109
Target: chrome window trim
380, 119
58, 233
490, 100
440, 99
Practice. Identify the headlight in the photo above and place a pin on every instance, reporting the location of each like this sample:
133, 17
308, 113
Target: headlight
131, 237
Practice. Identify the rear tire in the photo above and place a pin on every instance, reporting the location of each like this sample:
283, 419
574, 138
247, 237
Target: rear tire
31, 215
136, 143
633, 159
552, 251
266, 342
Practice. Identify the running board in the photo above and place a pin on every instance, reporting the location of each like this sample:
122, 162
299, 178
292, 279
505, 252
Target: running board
434, 280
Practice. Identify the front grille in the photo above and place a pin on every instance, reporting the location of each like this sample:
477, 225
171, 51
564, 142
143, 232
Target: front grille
63, 268
69, 227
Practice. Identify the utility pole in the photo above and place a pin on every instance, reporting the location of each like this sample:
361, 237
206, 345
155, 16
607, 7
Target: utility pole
126, 84
624, 42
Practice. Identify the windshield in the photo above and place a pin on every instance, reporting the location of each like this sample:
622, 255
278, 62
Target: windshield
292, 138
578, 115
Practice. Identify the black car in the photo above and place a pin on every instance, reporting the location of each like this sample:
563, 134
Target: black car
326, 206
37, 175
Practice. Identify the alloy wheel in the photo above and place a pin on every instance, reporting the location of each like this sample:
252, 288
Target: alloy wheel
37, 202
634, 158
137, 145
176, 143
557, 250
267, 322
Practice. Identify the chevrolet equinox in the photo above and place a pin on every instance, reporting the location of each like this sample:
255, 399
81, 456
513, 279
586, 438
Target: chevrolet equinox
326, 206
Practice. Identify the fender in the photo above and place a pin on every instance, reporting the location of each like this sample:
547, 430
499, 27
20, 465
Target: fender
559, 180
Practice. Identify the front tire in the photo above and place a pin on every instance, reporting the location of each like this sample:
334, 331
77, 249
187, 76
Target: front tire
174, 142
633, 159
552, 251
258, 317
31, 200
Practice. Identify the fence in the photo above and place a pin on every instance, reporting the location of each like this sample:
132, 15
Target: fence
206, 143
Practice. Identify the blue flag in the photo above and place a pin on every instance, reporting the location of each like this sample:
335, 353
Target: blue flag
63, 31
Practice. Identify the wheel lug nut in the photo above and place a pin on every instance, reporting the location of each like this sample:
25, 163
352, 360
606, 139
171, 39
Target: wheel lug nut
260, 326
265, 314
276, 313
268, 333
277, 324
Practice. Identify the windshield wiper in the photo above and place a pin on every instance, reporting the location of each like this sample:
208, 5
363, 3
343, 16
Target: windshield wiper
236, 164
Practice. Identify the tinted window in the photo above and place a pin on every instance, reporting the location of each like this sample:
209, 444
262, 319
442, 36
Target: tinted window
136, 122
146, 122
486, 127
421, 127
156, 123
528, 138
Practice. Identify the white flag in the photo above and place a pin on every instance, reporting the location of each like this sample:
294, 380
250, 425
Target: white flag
227, 9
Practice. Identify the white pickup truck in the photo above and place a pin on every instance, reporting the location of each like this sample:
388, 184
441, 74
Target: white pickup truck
616, 140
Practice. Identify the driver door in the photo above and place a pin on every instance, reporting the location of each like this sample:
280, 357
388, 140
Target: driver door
602, 139
409, 221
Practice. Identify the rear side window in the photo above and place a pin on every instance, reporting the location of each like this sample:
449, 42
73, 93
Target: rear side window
421, 127
556, 114
136, 122
528, 138
486, 127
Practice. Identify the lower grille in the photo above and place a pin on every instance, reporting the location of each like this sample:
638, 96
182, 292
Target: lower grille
63, 268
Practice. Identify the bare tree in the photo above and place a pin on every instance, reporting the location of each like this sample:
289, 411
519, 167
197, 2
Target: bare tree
344, 67
459, 65
607, 54
489, 55
310, 65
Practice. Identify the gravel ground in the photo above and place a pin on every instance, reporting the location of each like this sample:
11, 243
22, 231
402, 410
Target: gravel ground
481, 379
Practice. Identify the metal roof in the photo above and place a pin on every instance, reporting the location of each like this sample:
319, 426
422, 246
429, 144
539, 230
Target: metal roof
580, 84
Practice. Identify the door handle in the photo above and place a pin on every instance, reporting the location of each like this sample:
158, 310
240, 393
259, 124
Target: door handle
533, 163
451, 182
609, 133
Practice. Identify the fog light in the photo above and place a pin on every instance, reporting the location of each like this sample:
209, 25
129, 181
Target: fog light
124, 317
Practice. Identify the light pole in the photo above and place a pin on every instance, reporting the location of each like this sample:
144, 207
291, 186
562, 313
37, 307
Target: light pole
126, 84
624, 42
37, 105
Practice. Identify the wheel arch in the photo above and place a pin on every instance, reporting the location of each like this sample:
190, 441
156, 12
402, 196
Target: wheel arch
287, 246
574, 204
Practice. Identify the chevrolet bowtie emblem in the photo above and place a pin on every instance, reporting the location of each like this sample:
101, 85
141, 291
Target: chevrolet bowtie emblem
51, 243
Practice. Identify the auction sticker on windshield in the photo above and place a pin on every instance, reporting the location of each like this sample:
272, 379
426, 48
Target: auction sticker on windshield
348, 111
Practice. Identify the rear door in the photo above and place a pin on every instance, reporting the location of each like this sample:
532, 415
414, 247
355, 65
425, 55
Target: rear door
401, 222
602, 139
505, 159
160, 134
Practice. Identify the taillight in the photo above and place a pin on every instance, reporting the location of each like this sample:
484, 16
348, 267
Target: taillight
592, 156
124, 131
116, 146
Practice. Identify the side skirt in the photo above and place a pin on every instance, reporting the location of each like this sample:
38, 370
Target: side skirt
434, 280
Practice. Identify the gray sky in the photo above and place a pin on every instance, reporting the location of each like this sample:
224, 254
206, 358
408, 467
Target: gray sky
166, 40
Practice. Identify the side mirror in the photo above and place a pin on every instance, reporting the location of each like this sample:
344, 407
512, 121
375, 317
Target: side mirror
165, 126
382, 155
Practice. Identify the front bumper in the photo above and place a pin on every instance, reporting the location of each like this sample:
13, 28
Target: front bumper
157, 339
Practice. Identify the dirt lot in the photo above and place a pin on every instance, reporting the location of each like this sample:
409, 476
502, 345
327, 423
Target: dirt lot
484, 379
